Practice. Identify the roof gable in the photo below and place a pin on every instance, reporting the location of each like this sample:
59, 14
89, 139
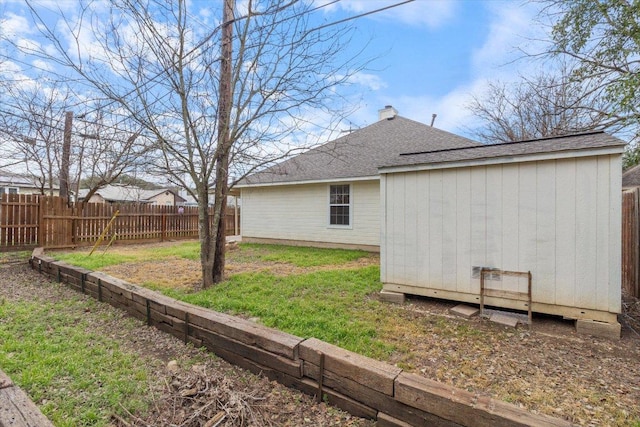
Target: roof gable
631, 177
128, 193
360, 153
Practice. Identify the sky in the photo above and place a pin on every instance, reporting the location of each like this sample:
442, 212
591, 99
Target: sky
432, 56
437, 54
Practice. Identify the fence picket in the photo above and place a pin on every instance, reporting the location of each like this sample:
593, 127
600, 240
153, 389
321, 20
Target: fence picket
27, 221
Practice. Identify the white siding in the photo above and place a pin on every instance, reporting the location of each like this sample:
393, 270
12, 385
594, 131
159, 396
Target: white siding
301, 212
559, 219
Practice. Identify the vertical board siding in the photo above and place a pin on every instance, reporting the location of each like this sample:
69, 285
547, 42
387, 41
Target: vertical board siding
615, 231
463, 231
449, 231
435, 227
545, 261
555, 218
478, 222
586, 228
301, 212
565, 239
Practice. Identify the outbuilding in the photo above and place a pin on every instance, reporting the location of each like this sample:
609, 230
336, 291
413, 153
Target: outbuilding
551, 207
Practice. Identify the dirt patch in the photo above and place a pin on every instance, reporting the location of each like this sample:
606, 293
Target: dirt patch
549, 369
180, 273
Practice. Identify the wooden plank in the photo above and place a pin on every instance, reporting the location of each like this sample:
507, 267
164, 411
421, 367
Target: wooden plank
565, 234
247, 332
435, 216
363, 370
586, 231
373, 398
17, 409
215, 341
463, 407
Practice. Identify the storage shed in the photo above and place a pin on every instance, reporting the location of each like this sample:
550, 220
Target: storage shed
550, 206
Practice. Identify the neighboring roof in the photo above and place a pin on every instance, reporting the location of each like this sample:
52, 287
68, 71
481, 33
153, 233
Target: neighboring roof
19, 180
360, 153
557, 144
127, 193
631, 177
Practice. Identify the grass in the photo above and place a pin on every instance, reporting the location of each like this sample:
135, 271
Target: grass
77, 376
100, 258
305, 256
330, 305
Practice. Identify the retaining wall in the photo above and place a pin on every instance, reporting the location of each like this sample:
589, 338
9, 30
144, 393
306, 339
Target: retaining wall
360, 385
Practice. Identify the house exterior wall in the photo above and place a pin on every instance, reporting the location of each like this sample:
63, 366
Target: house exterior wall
97, 198
21, 189
300, 213
559, 219
163, 199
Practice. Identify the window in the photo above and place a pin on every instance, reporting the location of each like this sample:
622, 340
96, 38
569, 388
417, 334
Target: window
340, 205
8, 190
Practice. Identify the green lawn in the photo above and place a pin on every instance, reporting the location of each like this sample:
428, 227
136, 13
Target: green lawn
76, 375
333, 305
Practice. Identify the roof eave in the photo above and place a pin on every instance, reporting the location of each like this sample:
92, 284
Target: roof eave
505, 159
309, 181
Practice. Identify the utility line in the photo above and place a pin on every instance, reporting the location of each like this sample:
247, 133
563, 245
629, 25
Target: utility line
152, 81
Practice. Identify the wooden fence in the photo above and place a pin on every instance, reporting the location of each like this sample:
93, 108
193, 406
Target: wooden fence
27, 221
631, 242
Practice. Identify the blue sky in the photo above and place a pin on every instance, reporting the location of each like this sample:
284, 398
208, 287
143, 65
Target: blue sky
436, 54
433, 54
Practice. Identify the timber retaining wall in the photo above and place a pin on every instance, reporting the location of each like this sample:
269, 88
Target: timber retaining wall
360, 385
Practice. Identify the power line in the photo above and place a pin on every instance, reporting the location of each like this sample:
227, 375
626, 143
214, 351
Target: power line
152, 81
351, 18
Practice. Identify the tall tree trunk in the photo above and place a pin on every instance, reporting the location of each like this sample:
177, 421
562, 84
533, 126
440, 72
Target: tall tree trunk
66, 154
207, 250
223, 144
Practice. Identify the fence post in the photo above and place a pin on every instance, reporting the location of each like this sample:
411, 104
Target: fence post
163, 233
40, 229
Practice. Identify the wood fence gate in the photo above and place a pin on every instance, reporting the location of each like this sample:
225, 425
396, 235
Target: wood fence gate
27, 221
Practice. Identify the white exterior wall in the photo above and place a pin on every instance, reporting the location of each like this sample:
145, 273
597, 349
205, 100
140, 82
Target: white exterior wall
301, 212
559, 219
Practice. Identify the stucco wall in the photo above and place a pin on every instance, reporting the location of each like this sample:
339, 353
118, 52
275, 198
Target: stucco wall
559, 219
301, 212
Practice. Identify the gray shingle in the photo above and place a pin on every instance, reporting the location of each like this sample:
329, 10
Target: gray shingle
360, 153
631, 177
583, 141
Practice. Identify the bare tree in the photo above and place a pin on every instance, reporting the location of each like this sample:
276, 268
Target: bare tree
32, 123
545, 105
215, 109
602, 39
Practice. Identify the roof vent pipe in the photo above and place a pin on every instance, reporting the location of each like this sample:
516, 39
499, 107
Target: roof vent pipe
433, 118
388, 113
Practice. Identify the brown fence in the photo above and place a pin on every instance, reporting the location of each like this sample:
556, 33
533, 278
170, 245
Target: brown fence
31, 220
631, 242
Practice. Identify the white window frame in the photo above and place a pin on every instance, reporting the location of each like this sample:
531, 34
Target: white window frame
349, 205
7, 190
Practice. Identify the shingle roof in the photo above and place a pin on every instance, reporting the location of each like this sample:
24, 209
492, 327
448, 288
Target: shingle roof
125, 193
575, 142
360, 153
631, 177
